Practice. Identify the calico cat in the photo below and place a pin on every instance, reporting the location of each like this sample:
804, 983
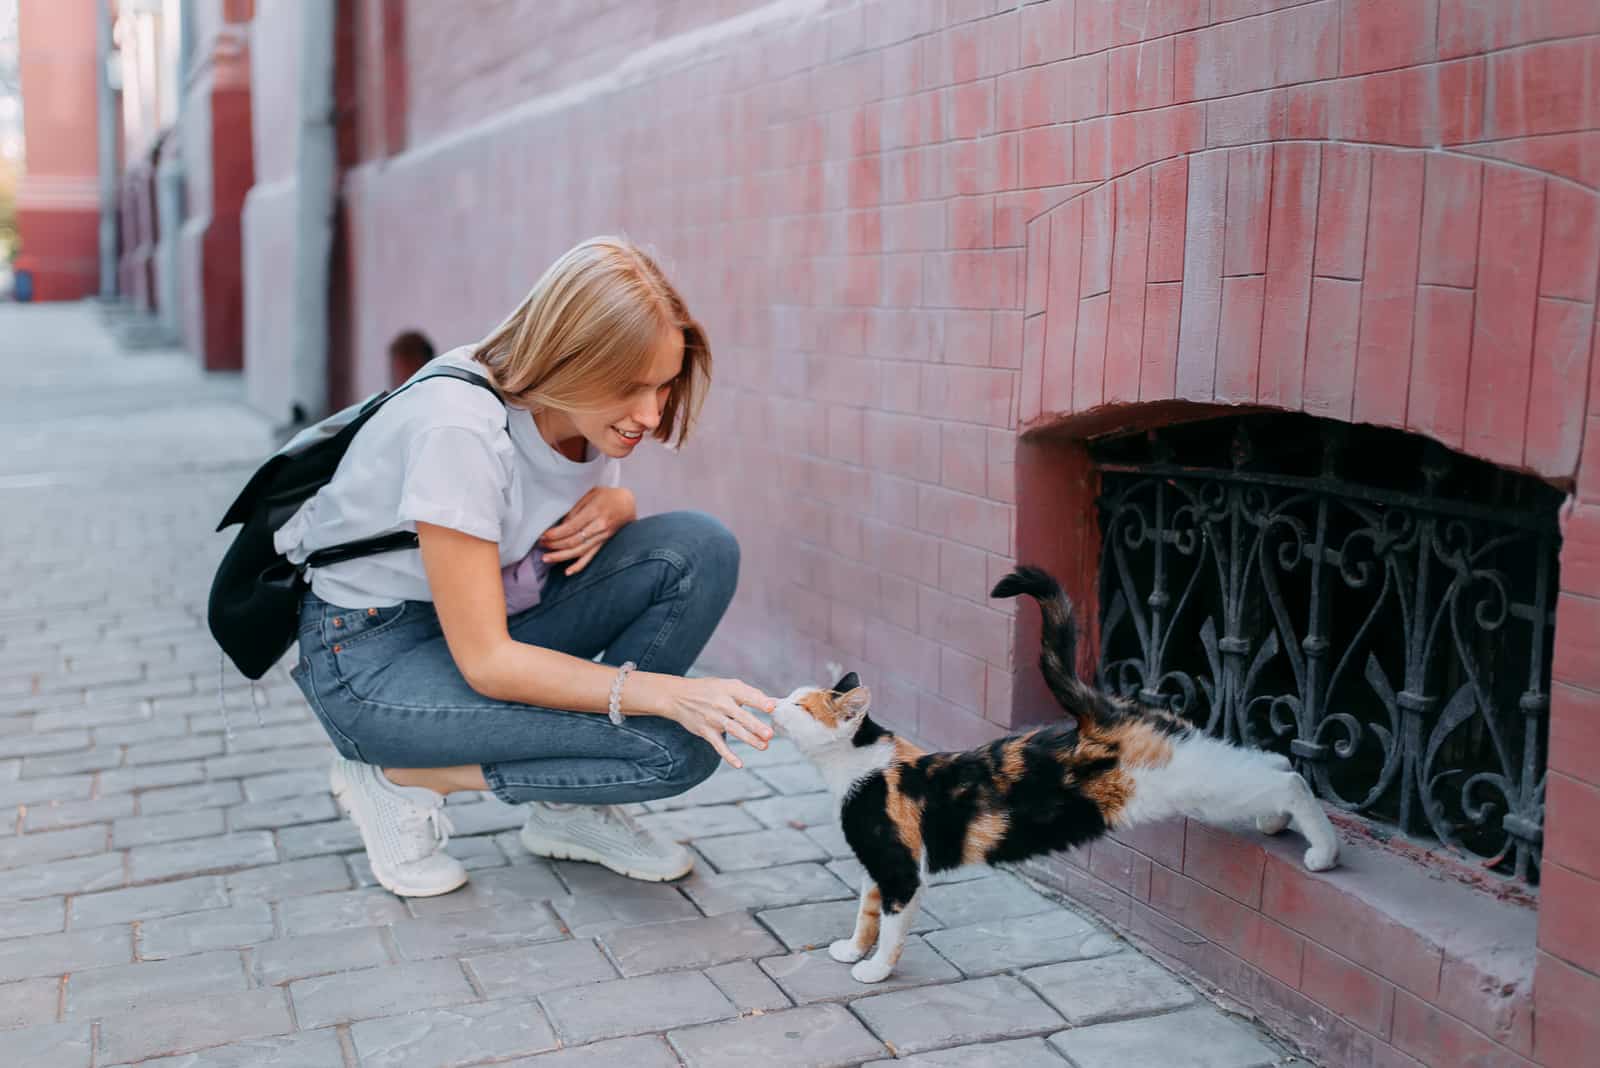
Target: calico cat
907, 813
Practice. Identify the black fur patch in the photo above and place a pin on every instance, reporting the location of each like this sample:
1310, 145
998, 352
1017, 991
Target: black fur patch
846, 684
876, 843
867, 732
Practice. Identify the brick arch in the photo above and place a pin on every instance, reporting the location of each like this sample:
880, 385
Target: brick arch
1443, 294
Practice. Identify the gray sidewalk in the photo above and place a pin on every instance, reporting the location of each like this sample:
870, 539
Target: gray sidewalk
164, 889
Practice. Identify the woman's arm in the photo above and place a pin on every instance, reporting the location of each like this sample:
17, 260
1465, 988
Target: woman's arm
464, 578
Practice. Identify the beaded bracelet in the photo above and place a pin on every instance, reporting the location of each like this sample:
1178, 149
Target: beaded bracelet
614, 709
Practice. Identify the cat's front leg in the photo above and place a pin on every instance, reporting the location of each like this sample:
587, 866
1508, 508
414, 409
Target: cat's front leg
891, 942
860, 943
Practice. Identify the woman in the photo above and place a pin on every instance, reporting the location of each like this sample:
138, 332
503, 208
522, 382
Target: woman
576, 703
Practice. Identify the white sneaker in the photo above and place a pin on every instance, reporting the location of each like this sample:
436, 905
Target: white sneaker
605, 835
403, 827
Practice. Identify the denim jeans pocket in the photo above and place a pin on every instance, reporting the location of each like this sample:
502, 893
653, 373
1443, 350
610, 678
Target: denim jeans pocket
349, 626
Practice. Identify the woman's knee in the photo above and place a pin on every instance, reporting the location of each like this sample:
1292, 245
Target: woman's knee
705, 545
693, 762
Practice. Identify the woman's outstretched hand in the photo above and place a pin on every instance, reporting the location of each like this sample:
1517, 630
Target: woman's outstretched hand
711, 707
598, 515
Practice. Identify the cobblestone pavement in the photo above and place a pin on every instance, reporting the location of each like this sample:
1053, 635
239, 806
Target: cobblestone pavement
173, 896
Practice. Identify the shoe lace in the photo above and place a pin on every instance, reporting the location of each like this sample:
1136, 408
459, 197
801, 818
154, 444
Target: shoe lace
614, 815
416, 817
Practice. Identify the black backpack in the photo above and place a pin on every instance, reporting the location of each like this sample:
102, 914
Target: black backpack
254, 610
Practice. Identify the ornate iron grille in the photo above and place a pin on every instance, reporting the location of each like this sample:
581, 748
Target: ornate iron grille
1376, 607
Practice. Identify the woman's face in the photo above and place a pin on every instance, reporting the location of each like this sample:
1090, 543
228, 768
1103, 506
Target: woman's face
618, 429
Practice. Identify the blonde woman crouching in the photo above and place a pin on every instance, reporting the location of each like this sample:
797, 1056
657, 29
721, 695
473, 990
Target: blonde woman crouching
534, 644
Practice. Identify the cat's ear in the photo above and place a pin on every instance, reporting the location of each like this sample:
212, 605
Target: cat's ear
846, 684
854, 704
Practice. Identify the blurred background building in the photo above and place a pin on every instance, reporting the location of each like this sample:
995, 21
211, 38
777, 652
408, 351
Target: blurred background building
1115, 286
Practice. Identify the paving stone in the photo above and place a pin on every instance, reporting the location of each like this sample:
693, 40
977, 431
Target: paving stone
760, 849
808, 810
58, 814
244, 765
587, 914
978, 1010
149, 730
27, 1002
534, 970
138, 987
984, 948
147, 902
527, 886
815, 976
193, 1024
245, 924
486, 817
726, 785
680, 825
748, 987
791, 884
644, 1051
778, 751
25, 849
441, 1038
24, 744
94, 758
287, 959
319, 839
187, 798
331, 999
309, 1049
44, 791
79, 875
66, 1045
820, 923
831, 840
695, 943
165, 751
44, 915
822, 1036
456, 933
1194, 1038
151, 777
793, 779
652, 1003
1017, 1053
281, 784
167, 827
1108, 988
195, 856
334, 912
284, 812
295, 878
998, 897
276, 736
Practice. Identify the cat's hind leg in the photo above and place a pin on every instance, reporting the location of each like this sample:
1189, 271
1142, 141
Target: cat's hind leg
859, 944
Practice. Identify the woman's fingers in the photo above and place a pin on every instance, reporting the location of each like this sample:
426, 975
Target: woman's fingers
749, 695
751, 734
751, 724
712, 735
586, 531
583, 561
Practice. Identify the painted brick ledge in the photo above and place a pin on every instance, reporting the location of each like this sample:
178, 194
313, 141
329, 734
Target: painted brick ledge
1375, 963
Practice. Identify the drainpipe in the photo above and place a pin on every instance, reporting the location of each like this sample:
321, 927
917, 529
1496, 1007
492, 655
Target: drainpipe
169, 186
106, 114
316, 170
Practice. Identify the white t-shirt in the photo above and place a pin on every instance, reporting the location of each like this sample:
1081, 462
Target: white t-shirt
441, 452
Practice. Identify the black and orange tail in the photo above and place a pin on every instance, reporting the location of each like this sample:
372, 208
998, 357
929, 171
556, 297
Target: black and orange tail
1059, 648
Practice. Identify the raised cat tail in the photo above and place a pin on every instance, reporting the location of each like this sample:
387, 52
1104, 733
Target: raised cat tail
1059, 648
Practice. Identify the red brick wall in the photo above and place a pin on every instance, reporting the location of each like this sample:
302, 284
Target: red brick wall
917, 229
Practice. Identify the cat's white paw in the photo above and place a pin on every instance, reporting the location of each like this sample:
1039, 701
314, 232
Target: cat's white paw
871, 971
1321, 858
1272, 824
844, 951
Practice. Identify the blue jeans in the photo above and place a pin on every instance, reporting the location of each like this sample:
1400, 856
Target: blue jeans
387, 691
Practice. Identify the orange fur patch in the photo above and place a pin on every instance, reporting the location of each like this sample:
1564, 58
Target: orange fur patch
904, 751
1012, 764
1140, 745
820, 707
904, 813
983, 834
871, 914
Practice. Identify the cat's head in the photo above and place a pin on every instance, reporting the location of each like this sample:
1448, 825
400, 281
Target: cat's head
816, 718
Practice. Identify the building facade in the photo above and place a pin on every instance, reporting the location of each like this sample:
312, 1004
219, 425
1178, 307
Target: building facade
1270, 325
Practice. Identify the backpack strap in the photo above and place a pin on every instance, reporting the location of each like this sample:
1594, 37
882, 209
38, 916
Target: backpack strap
398, 539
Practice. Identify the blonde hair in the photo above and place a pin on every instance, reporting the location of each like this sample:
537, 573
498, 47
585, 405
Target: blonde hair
586, 332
